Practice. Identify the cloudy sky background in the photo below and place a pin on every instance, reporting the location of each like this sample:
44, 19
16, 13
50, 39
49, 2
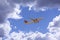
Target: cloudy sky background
13, 12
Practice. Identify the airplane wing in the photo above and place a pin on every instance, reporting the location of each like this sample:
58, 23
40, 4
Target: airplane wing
36, 20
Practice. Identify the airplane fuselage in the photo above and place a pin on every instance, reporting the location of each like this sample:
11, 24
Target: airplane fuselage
35, 20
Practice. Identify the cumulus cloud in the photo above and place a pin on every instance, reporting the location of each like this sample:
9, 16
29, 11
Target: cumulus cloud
48, 3
5, 29
8, 8
25, 36
30, 36
1, 32
54, 27
53, 34
55, 24
11, 7
15, 13
39, 4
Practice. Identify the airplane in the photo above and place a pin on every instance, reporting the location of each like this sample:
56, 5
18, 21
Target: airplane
33, 20
26, 22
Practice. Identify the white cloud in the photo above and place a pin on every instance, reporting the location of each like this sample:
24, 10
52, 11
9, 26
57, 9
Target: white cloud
39, 4
31, 36
0, 38
6, 28
54, 27
23, 36
16, 13
55, 24
53, 34
10, 9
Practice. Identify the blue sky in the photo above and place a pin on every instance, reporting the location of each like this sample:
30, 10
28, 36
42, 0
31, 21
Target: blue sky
13, 13
47, 16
